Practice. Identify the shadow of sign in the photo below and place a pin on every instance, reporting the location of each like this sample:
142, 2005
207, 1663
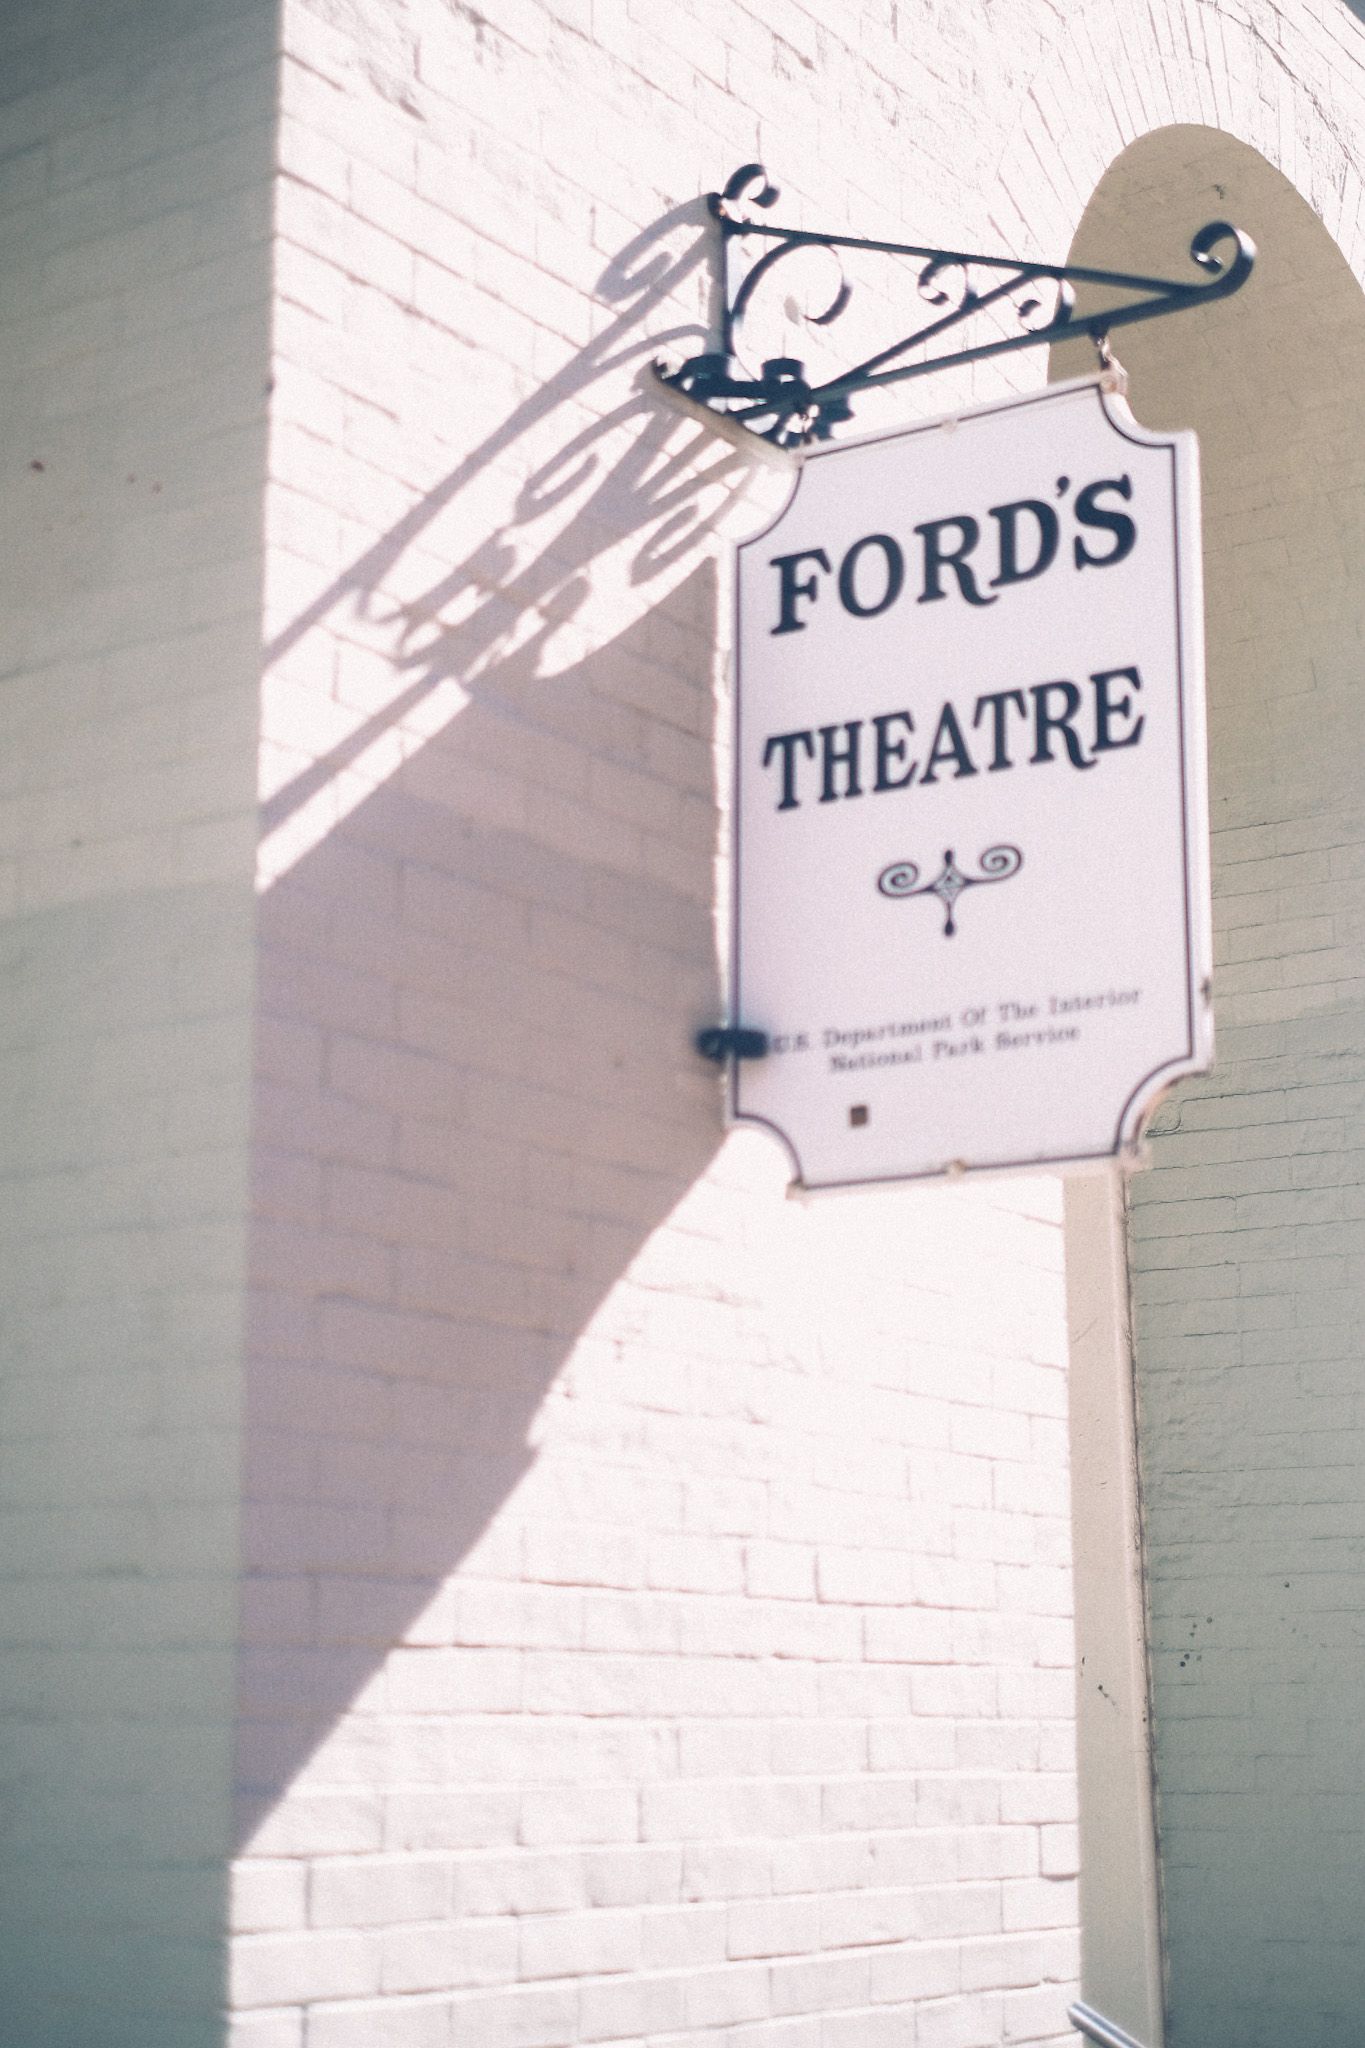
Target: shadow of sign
475, 1096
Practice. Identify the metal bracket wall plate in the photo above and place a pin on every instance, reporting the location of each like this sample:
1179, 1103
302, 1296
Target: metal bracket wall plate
779, 404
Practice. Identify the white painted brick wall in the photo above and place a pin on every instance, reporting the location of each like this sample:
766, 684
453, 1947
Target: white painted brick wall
655, 1613
659, 1622
837, 1694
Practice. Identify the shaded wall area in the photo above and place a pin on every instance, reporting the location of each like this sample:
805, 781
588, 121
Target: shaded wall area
1247, 1275
135, 162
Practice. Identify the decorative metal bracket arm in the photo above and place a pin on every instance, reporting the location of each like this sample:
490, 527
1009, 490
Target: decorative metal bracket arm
780, 404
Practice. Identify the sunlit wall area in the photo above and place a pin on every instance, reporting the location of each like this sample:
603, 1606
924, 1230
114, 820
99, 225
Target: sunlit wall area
657, 1611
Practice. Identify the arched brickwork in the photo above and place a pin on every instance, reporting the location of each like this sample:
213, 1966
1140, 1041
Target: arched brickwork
1287, 80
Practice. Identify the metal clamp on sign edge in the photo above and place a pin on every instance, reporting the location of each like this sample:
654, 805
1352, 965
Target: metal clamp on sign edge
721, 1042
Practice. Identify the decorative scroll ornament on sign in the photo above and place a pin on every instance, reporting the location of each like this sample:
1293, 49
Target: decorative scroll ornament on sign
997, 864
778, 402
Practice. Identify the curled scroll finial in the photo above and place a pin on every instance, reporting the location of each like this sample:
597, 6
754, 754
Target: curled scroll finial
1230, 269
739, 186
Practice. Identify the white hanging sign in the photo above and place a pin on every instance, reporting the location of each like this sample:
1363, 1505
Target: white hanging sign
971, 901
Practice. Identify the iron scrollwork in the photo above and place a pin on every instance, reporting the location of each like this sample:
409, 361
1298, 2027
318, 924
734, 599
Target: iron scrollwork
780, 402
901, 879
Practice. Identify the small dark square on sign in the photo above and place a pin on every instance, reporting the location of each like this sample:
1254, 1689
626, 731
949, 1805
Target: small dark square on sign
858, 1113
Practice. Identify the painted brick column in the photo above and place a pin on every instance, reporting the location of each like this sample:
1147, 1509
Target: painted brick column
135, 164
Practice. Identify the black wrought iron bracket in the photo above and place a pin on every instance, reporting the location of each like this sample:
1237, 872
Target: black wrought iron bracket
780, 405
